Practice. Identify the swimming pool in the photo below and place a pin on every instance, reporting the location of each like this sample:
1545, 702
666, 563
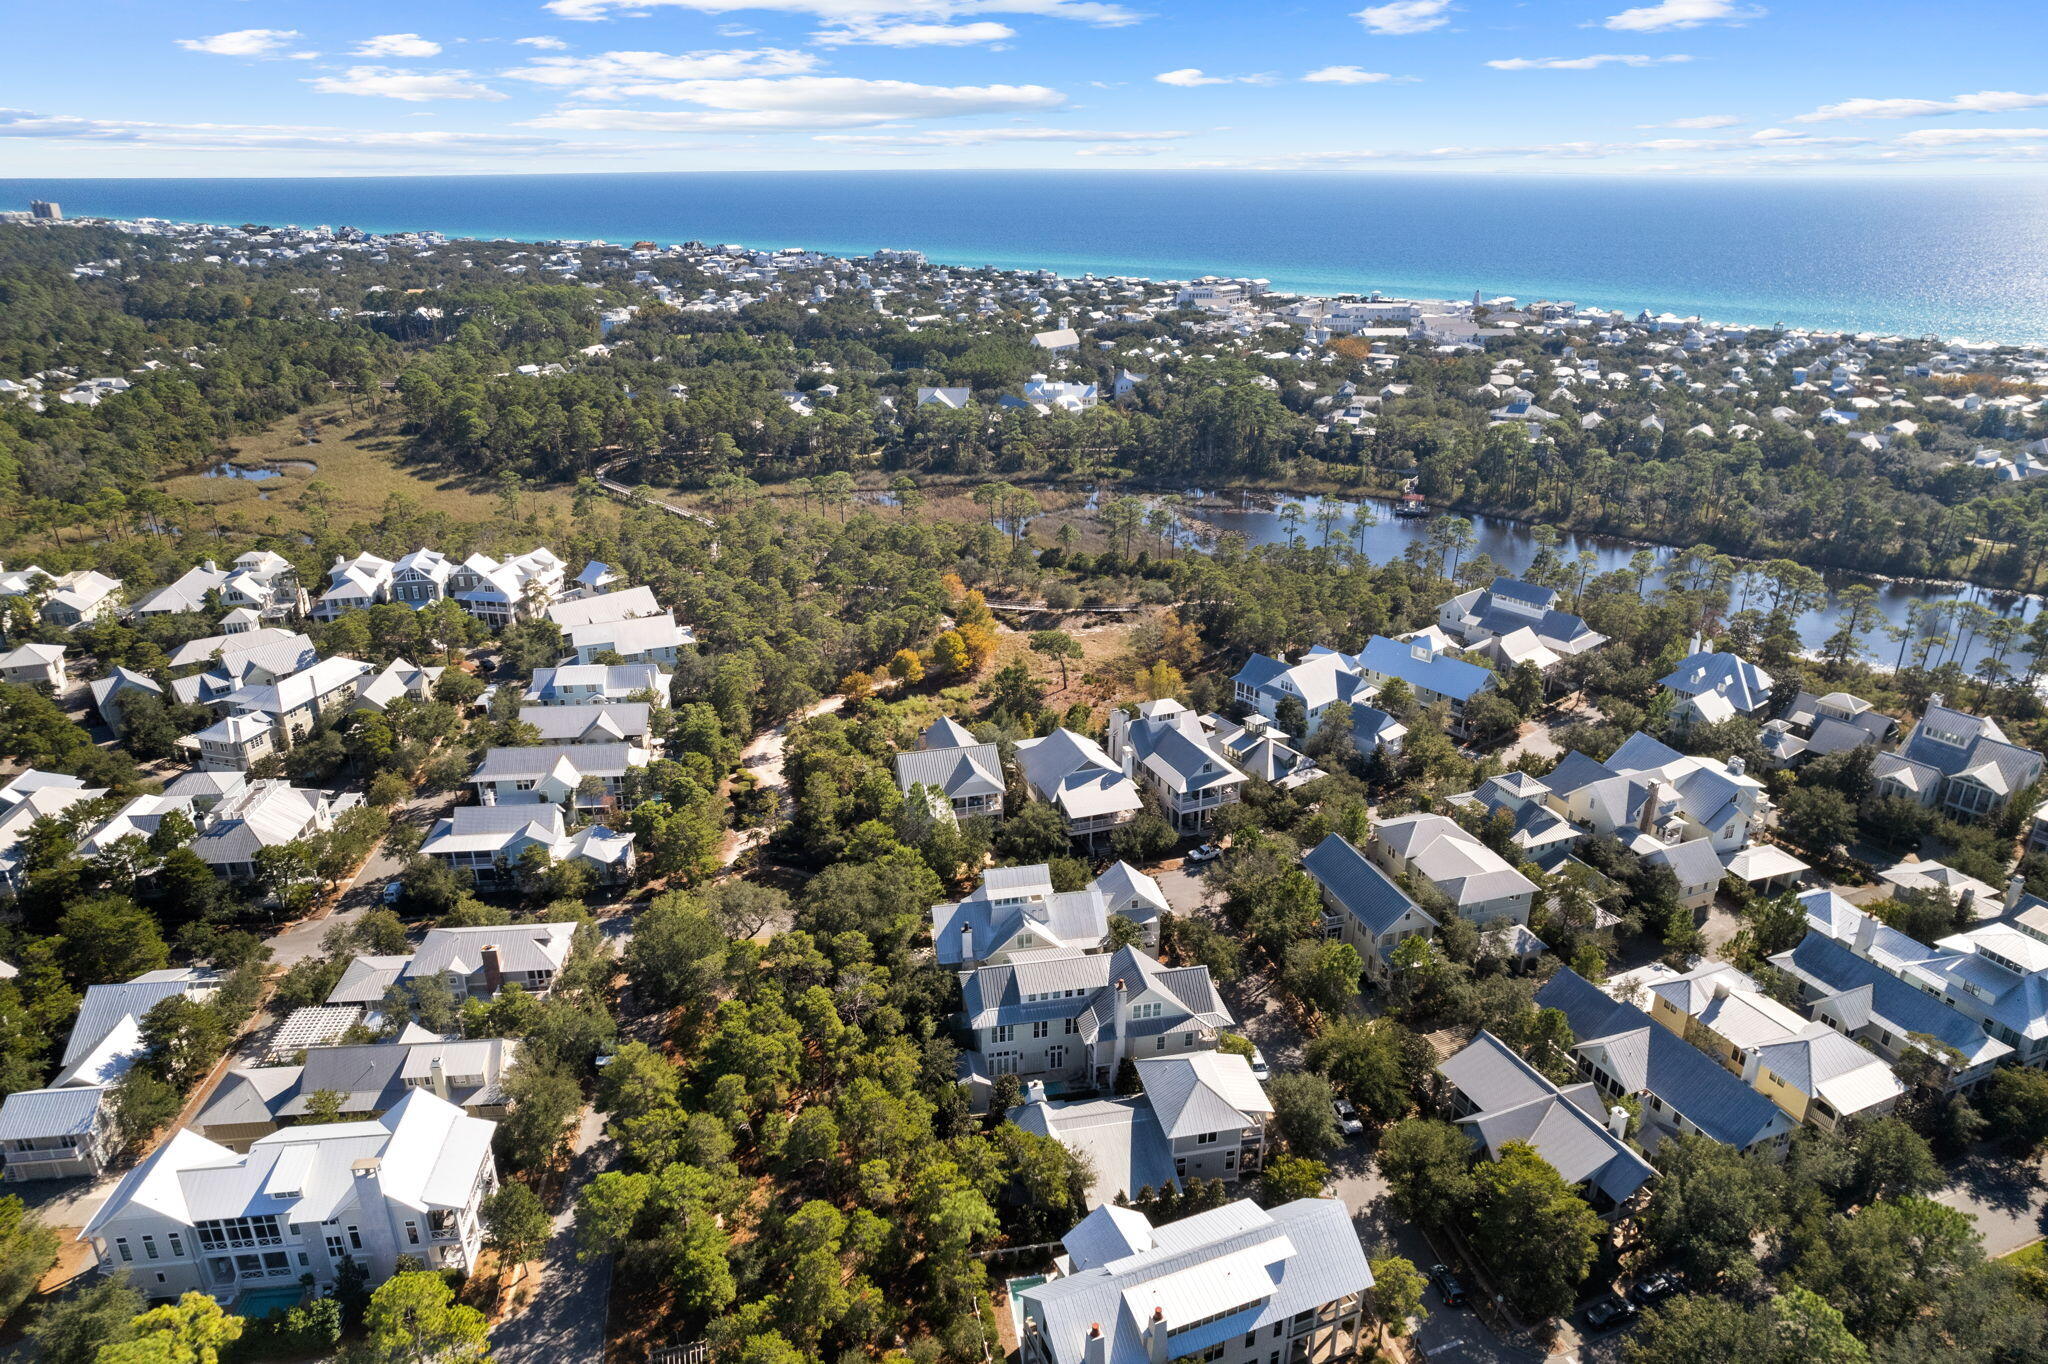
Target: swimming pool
258, 1303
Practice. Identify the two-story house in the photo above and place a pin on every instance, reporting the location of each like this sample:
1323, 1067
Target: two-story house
588, 775
1960, 764
1437, 851
1362, 904
367, 1081
354, 585
1071, 1018
1498, 1097
421, 578
265, 582
1624, 1051
501, 593
75, 598
1235, 1285
621, 722
1166, 748
597, 684
604, 608
949, 761
1512, 621
488, 842
1712, 687
474, 962
653, 639
1201, 1116
35, 665
264, 814
1070, 772
1015, 909
197, 1217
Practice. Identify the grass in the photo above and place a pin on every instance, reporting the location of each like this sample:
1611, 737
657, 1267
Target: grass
362, 462
2034, 1256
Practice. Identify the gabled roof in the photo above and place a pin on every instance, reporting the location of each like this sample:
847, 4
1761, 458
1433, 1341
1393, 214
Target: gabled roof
1513, 1101
1365, 892
1205, 1091
66, 1111
1648, 1057
1886, 1000
971, 770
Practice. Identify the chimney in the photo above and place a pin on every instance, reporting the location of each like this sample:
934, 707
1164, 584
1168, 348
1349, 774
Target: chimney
1737, 766
1968, 904
1155, 1337
1123, 1027
1096, 1351
1653, 808
966, 941
1866, 933
210, 566
2014, 889
494, 974
438, 1074
1034, 1092
1617, 1121
1750, 1066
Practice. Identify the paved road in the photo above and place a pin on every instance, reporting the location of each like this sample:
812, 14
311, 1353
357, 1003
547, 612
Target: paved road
296, 942
1451, 1335
2007, 1200
564, 1321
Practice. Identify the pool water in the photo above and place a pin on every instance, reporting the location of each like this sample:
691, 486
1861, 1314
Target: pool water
259, 1303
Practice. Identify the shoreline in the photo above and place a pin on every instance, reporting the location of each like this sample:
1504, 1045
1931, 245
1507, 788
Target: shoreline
963, 259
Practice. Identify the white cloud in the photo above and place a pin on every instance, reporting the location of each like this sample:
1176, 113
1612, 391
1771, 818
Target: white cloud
384, 82
909, 34
1700, 121
801, 102
24, 124
1670, 14
398, 45
544, 44
243, 42
1190, 76
1582, 63
1954, 137
976, 137
1405, 16
841, 12
1983, 102
622, 75
1118, 149
1346, 75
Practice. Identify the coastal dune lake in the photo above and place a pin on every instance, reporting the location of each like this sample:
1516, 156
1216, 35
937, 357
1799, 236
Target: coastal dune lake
1920, 255
1513, 546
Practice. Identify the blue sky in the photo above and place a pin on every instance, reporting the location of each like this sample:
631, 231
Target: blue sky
289, 87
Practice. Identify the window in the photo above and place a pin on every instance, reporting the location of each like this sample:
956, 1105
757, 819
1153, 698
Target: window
122, 1248
1205, 1139
149, 1246
1153, 1009
1055, 1057
1159, 1042
1040, 1029
355, 1238
177, 1245
233, 1233
1072, 1026
1002, 1063
1005, 1032
412, 1233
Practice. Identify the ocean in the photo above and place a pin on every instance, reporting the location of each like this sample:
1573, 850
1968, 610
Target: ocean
1957, 258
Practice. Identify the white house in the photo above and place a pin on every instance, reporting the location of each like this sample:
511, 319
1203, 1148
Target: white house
1071, 772
554, 774
488, 841
35, 665
196, 1216
1167, 747
1436, 850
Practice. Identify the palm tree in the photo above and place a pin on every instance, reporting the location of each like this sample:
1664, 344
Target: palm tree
1363, 519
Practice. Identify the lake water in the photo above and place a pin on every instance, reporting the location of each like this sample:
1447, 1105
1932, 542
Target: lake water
1918, 255
1513, 546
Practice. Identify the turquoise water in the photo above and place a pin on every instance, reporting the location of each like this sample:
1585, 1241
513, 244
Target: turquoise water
257, 1303
1951, 257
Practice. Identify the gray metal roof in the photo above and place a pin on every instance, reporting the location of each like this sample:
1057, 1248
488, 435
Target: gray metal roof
1366, 893
69, 1111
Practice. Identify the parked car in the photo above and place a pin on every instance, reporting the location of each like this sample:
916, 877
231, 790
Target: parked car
392, 890
1653, 1290
1607, 1312
1348, 1120
1448, 1284
1259, 1070
1208, 852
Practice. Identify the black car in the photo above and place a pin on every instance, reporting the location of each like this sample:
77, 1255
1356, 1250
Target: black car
1609, 1311
1447, 1283
1653, 1290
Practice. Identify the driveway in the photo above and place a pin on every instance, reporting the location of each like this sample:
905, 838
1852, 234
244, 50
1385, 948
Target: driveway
2007, 1199
296, 942
1451, 1335
564, 1319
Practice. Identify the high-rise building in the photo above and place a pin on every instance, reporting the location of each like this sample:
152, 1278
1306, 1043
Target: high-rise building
44, 208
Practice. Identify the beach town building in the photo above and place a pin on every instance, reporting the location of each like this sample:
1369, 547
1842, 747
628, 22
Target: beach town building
366, 1080
35, 665
1716, 687
949, 761
1234, 1285
1199, 1116
474, 962
1071, 772
1016, 909
195, 1216
1363, 905
1436, 851
1167, 749
491, 843
1962, 765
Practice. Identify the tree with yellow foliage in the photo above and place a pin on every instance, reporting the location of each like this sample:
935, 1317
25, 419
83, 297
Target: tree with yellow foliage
1159, 681
906, 667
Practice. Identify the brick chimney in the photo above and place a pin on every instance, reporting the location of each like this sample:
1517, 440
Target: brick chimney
438, 1075
1156, 1345
494, 974
1096, 1351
